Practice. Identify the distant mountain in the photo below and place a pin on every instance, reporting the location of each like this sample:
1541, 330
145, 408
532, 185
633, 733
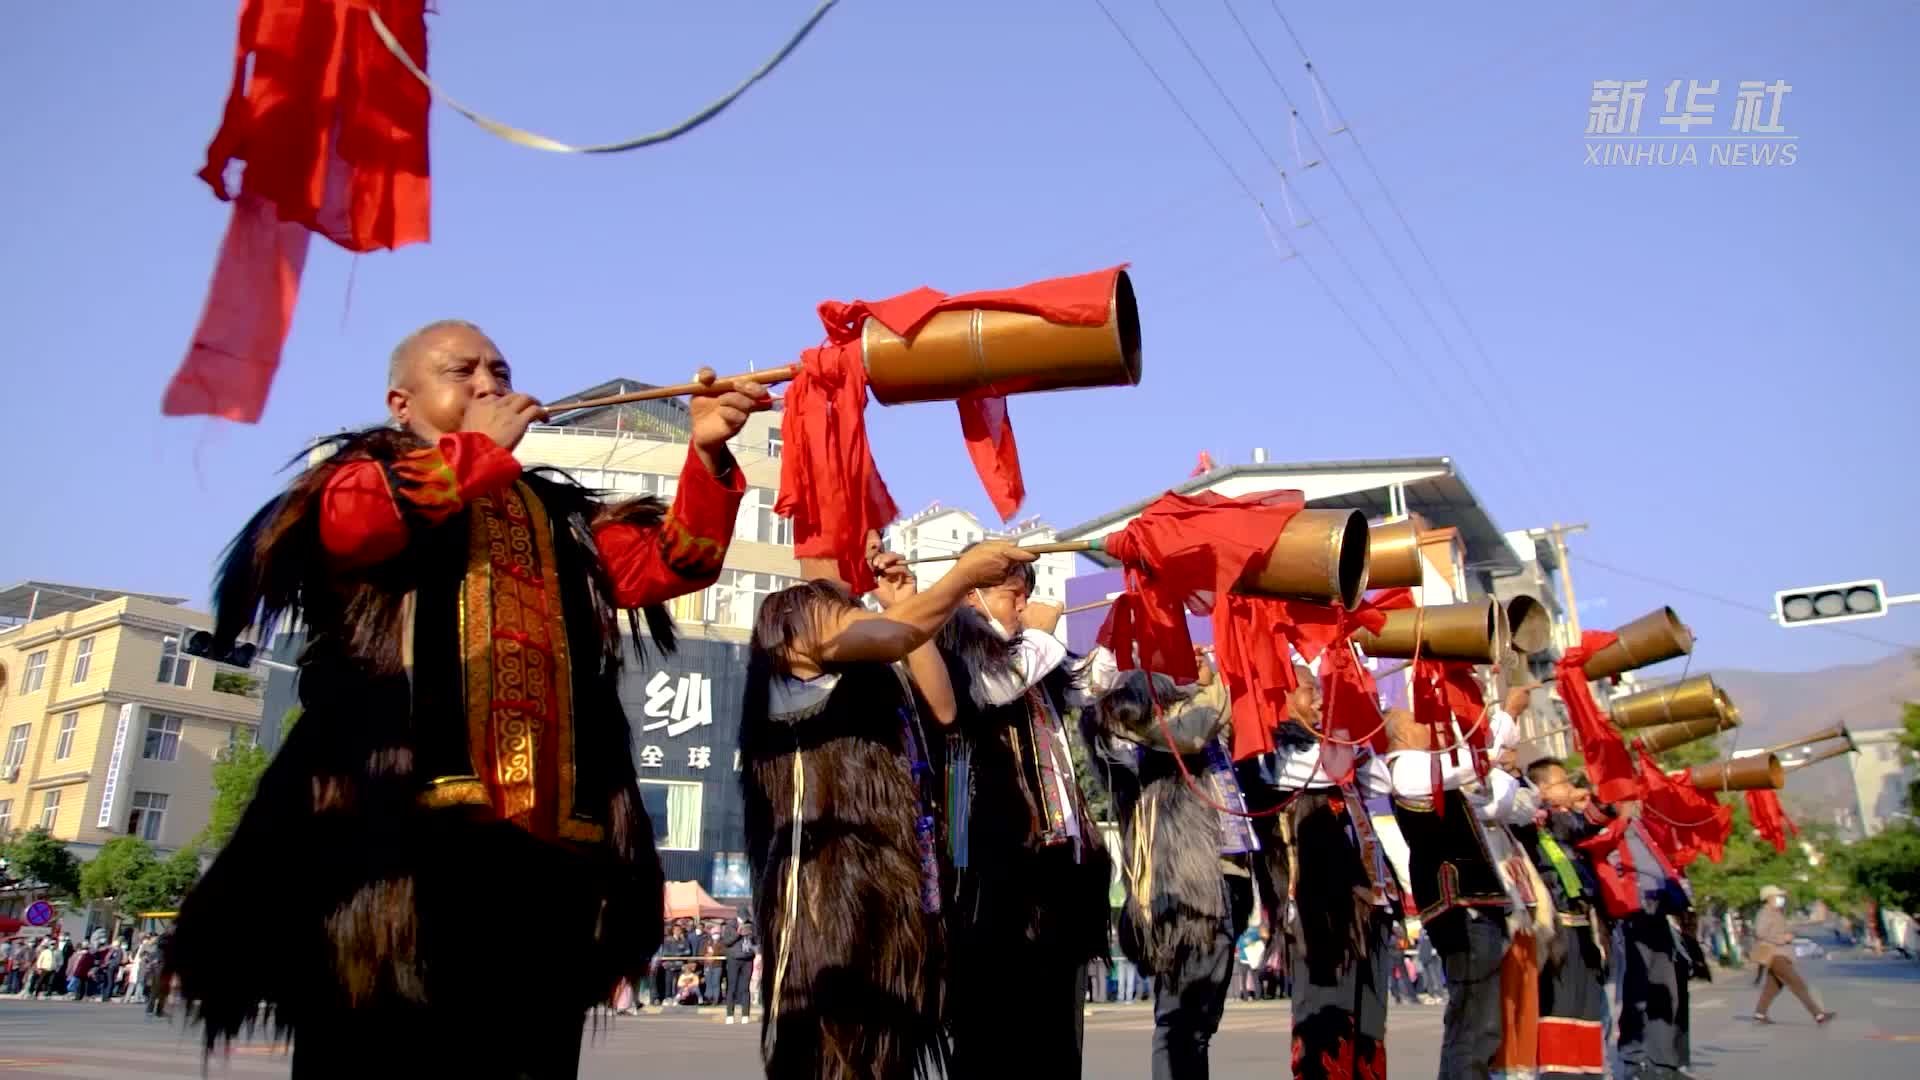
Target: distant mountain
1778, 706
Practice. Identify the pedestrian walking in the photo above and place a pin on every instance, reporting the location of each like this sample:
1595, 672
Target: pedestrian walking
1773, 951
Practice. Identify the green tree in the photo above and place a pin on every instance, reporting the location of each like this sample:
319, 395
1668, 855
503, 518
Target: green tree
120, 861
162, 886
236, 775
235, 682
36, 857
1886, 866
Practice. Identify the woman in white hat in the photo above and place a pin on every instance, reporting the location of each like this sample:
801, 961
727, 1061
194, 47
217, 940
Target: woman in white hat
1773, 951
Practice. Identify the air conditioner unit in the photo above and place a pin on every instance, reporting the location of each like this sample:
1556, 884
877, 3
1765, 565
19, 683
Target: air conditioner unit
9, 773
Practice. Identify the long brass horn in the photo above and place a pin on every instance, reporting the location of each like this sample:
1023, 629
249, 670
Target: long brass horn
1469, 632
1529, 627
1319, 555
1689, 699
1393, 554
1750, 773
1830, 752
1653, 637
1836, 731
969, 352
1663, 737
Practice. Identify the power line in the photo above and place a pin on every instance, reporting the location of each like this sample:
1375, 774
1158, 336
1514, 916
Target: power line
1426, 310
1742, 605
1386, 193
1259, 205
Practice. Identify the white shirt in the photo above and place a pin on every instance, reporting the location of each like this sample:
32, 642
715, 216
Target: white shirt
1294, 770
1035, 655
1501, 800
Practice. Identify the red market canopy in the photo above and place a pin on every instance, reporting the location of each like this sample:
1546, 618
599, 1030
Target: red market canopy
687, 900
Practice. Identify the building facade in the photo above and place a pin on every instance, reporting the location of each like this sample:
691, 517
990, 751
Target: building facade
106, 728
944, 530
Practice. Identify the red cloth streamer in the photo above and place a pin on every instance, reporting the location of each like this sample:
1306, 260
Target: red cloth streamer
1685, 821
333, 131
1619, 892
829, 484
1609, 767
1770, 819
1183, 553
1350, 700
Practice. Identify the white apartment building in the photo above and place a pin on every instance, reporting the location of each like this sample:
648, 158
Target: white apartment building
945, 530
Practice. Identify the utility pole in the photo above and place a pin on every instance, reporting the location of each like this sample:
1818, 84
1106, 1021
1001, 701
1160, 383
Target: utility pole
1557, 534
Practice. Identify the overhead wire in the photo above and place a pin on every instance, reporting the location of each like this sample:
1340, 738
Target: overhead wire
1743, 605
1393, 262
1259, 204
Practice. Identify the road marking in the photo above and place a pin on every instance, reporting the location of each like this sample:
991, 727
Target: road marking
1886, 1002
1710, 1003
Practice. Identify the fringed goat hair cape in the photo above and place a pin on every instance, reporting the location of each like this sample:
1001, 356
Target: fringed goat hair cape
850, 976
379, 883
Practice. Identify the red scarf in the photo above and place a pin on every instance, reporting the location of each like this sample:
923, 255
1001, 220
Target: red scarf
1770, 819
333, 131
1444, 695
1682, 820
1184, 553
1350, 700
829, 484
1608, 765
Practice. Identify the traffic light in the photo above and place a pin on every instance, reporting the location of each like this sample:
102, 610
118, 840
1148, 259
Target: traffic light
1830, 603
200, 643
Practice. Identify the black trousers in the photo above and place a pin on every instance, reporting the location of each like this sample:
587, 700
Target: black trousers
1188, 1002
1340, 1026
516, 1043
1654, 1011
1472, 943
1047, 997
740, 986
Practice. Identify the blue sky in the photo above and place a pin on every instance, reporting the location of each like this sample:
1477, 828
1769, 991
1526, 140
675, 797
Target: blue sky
1709, 365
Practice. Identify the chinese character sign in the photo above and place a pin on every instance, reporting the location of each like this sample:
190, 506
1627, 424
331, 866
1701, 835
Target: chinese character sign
1692, 127
677, 705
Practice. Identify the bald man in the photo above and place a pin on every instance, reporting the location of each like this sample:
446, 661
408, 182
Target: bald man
462, 748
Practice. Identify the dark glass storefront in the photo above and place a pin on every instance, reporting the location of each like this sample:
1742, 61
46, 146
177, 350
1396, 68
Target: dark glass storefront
684, 711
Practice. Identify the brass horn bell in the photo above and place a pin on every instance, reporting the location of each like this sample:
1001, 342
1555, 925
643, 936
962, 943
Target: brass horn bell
1467, 632
971, 352
1529, 627
1662, 737
1837, 731
1320, 555
1689, 699
1653, 637
1752, 773
1393, 554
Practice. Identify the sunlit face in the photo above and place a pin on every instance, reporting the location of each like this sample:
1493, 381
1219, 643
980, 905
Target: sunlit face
1303, 704
1006, 602
1556, 789
446, 371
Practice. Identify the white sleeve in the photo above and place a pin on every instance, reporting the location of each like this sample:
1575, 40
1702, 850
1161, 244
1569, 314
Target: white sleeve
1412, 772
1035, 654
1498, 802
1373, 777
1099, 673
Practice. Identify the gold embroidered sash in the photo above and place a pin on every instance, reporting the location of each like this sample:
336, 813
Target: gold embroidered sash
514, 659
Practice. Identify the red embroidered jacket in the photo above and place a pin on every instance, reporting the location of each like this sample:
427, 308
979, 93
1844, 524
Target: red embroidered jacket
364, 518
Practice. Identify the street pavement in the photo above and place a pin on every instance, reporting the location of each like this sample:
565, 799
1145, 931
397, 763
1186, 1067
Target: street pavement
1875, 1037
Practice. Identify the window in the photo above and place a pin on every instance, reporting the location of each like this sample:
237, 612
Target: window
242, 735
143, 820
82, 660
16, 747
50, 810
758, 522
163, 738
36, 672
674, 806
6, 816
175, 669
63, 748
734, 599
773, 444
